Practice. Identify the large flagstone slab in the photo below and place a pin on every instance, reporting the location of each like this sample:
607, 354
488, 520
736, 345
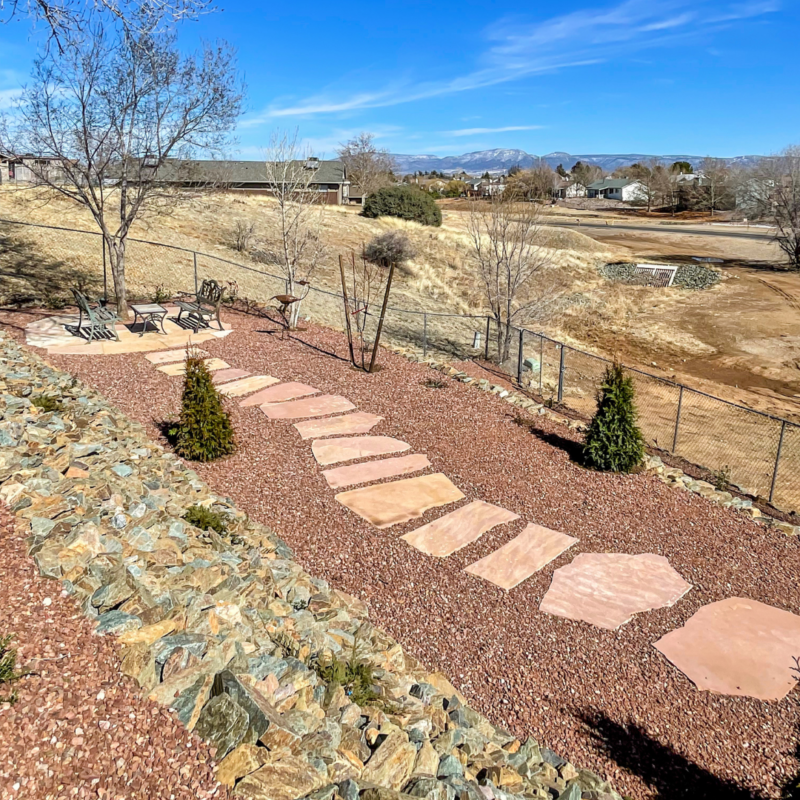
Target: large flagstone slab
228, 375
387, 504
359, 422
520, 558
319, 406
459, 528
348, 448
168, 356
247, 385
179, 368
375, 470
737, 646
607, 589
279, 393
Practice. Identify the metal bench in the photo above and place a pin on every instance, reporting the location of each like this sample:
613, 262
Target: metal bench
102, 320
206, 305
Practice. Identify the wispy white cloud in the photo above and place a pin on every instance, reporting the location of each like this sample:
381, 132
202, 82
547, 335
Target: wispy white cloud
517, 49
478, 131
8, 98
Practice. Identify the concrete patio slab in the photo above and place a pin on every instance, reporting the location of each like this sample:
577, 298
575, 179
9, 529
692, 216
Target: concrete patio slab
168, 356
279, 394
179, 368
348, 448
360, 422
387, 504
607, 589
455, 530
247, 385
319, 406
738, 647
520, 558
375, 470
228, 375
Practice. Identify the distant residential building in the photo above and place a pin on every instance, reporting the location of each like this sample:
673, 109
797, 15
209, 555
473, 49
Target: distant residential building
328, 178
26, 169
625, 189
566, 189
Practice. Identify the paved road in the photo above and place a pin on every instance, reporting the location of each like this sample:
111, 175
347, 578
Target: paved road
696, 230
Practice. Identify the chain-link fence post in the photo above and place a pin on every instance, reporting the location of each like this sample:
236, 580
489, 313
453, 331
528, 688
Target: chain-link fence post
777, 462
195, 272
425, 334
486, 343
561, 373
541, 364
677, 422
519, 356
105, 270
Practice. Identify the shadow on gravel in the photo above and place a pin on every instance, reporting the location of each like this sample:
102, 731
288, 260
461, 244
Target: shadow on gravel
659, 766
573, 448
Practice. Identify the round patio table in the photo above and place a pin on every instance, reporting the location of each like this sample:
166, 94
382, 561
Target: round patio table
149, 312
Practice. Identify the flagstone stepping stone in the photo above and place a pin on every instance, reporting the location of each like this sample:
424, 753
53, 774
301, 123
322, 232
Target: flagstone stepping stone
525, 554
455, 530
375, 470
179, 368
348, 448
227, 375
167, 356
359, 422
607, 589
319, 406
387, 504
247, 385
279, 393
739, 647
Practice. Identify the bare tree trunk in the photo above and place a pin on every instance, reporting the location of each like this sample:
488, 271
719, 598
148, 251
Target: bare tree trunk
116, 254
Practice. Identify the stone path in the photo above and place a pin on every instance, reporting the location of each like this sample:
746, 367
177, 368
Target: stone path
179, 368
736, 646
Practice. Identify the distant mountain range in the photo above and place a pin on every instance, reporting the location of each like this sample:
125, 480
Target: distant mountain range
496, 161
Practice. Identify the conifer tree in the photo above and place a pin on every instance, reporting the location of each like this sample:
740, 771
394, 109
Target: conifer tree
614, 442
205, 432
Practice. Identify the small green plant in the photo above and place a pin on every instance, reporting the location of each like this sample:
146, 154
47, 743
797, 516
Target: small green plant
287, 645
434, 383
9, 675
161, 294
356, 679
721, 478
204, 430
46, 402
205, 519
614, 442
55, 302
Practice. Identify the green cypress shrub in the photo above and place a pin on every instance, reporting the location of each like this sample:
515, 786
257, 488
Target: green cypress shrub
614, 442
205, 432
405, 202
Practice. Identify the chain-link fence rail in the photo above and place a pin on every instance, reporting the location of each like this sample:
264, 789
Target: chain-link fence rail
756, 452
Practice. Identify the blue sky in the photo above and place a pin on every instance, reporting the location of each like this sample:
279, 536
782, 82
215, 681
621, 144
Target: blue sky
449, 77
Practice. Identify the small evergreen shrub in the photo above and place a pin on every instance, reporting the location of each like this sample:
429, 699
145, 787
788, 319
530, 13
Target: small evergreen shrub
205, 519
205, 431
614, 442
404, 202
161, 294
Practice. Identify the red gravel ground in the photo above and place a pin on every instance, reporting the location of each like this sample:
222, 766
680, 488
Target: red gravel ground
607, 700
80, 728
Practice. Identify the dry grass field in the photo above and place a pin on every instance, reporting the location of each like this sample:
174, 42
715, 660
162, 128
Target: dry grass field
740, 340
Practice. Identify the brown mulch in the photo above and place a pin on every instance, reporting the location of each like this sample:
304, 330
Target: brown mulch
607, 700
79, 727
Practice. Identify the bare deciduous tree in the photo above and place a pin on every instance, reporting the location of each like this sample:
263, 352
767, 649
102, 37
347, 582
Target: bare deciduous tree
512, 264
584, 174
715, 183
114, 109
290, 172
772, 192
368, 166
536, 183
653, 179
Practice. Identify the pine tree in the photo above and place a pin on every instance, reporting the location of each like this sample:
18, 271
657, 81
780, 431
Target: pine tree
205, 432
614, 442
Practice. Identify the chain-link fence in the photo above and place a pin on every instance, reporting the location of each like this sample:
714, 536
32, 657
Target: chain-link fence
756, 452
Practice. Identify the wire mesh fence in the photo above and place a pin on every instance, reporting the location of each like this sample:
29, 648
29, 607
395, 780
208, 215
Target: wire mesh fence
756, 452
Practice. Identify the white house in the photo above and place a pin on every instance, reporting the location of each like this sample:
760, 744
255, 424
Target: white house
566, 189
625, 189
